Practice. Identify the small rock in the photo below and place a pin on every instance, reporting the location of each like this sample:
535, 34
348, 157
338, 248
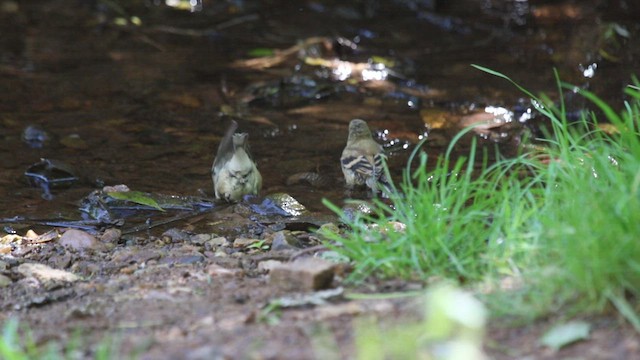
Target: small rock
5, 249
268, 265
46, 274
217, 270
86, 268
80, 240
200, 239
4, 281
3, 265
11, 238
287, 203
329, 228
283, 240
303, 275
61, 261
187, 254
135, 255
116, 188
177, 235
30, 234
244, 242
128, 270
354, 210
218, 241
182, 259
220, 253
111, 235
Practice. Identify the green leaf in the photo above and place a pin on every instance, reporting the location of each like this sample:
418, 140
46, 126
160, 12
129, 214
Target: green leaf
562, 335
261, 52
137, 197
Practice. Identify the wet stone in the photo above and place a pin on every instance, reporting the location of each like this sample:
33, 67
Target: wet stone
80, 240
35, 136
329, 228
303, 275
283, 240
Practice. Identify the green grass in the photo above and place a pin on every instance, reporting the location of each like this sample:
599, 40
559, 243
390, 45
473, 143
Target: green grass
18, 344
563, 220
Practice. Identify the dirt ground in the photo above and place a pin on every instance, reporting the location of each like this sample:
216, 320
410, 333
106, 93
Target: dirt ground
195, 296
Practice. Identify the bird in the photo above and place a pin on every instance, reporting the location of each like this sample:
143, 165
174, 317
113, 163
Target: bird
362, 159
234, 172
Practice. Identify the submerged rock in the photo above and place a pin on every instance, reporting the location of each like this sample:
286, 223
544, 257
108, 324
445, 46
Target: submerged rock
280, 204
35, 136
288, 203
49, 174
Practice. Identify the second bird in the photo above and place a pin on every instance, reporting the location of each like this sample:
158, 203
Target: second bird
234, 172
362, 159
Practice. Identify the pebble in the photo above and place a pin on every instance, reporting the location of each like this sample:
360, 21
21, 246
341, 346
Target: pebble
80, 240
46, 274
268, 265
303, 275
111, 235
200, 239
4, 281
177, 235
217, 270
218, 241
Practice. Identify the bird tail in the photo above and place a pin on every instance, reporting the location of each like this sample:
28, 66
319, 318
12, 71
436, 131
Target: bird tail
381, 178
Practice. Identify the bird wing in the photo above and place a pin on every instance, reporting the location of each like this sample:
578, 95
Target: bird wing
360, 165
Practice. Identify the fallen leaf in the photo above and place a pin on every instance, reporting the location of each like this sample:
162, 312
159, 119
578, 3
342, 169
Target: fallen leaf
137, 197
564, 334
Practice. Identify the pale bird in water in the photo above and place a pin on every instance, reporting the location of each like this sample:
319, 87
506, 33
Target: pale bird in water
234, 172
362, 159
